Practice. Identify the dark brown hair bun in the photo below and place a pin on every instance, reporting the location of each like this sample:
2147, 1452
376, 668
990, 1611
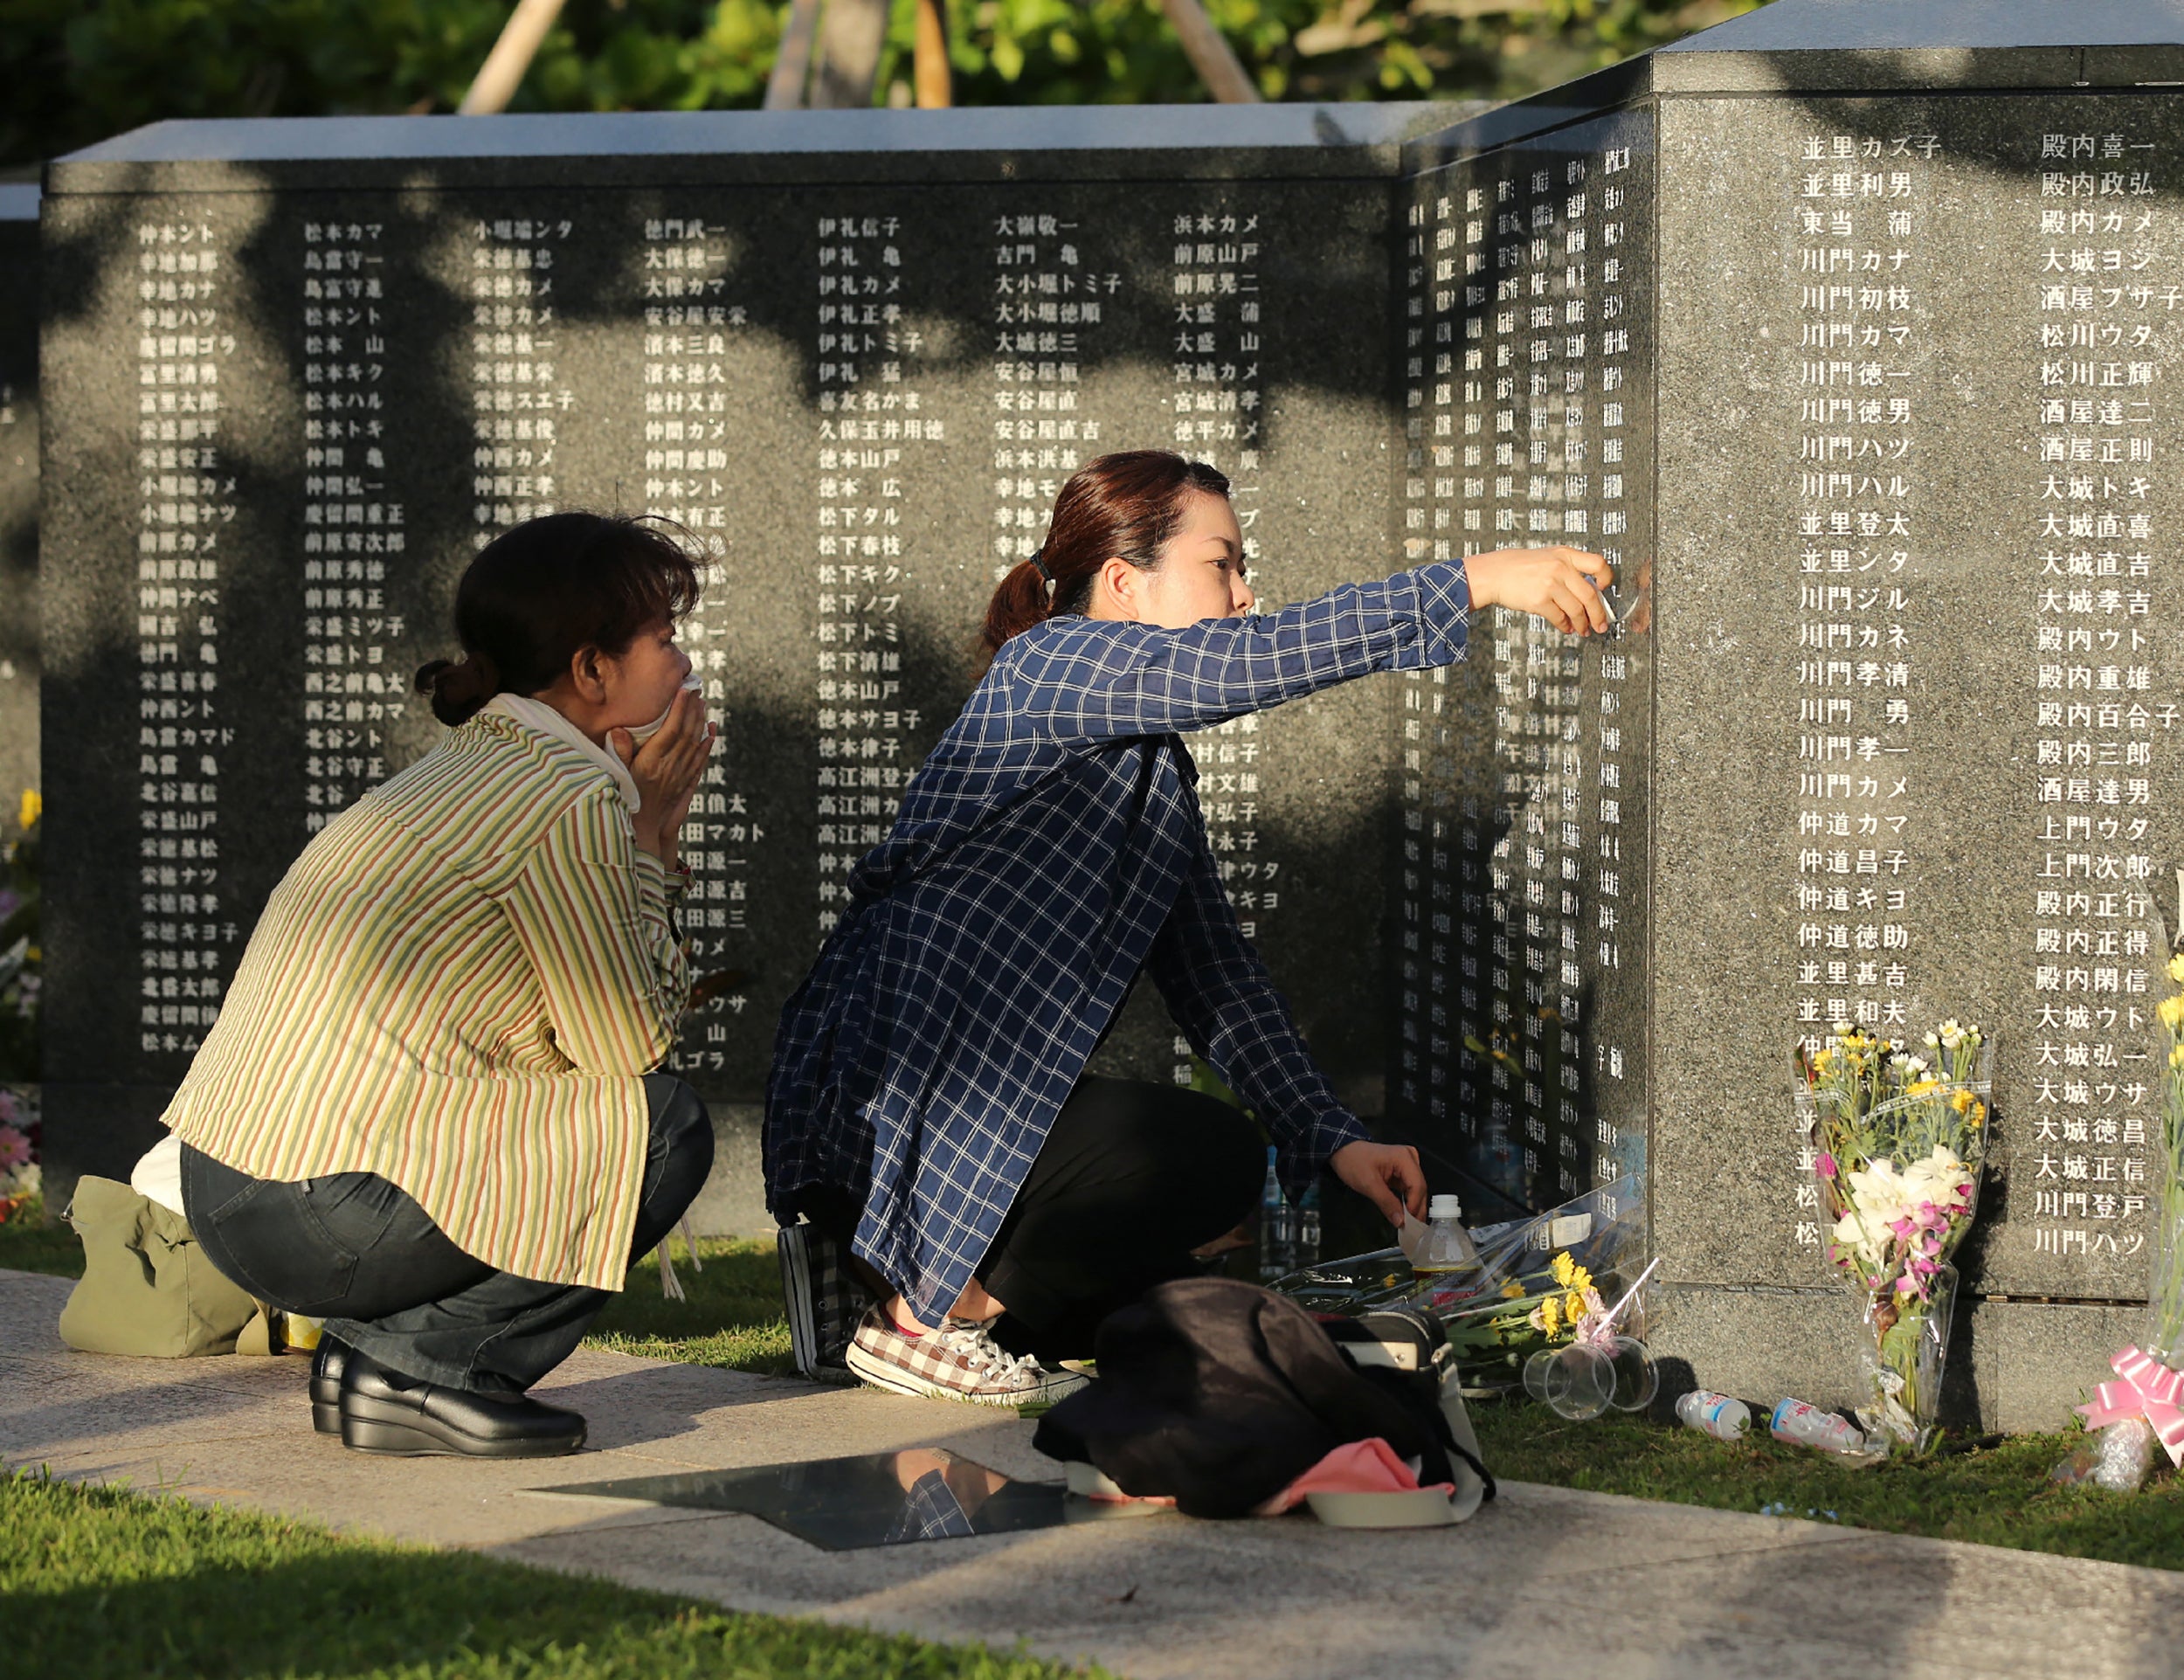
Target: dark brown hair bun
543, 590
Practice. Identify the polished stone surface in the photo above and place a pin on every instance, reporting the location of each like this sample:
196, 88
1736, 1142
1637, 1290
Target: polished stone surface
277, 348
847, 1505
1914, 643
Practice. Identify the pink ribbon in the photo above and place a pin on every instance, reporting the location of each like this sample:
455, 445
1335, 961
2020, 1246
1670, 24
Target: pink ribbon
2150, 1390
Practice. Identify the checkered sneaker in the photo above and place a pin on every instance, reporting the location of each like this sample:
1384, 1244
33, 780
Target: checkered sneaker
823, 1300
959, 1361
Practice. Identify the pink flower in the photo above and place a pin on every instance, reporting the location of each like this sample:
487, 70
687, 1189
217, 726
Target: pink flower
1825, 1166
15, 1149
1907, 1285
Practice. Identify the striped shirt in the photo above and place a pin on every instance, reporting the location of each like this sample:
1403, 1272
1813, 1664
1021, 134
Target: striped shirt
460, 986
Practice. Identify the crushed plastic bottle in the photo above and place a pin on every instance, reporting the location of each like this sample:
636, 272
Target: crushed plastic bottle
1802, 1424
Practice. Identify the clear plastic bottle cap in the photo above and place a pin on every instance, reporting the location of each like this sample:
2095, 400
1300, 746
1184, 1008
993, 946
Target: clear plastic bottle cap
1444, 1208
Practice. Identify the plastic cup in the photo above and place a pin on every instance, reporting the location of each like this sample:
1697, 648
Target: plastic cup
1574, 1382
1635, 1378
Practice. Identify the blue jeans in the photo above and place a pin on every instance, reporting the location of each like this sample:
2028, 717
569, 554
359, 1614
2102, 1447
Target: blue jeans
354, 1249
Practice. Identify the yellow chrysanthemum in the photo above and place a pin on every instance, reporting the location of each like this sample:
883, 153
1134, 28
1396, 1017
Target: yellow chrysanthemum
1562, 1266
2176, 1056
1978, 1113
1579, 1279
1550, 1315
1961, 1102
1512, 1291
2171, 1010
33, 807
2176, 968
1573, 1306
1921, 1087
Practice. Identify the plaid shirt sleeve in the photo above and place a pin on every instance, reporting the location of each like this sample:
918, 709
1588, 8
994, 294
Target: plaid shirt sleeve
1219, 992
1099, 682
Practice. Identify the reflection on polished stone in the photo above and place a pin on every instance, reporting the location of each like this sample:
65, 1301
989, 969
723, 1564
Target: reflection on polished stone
924, 1493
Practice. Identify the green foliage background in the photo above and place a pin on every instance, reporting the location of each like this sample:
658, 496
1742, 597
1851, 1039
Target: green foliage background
75, 71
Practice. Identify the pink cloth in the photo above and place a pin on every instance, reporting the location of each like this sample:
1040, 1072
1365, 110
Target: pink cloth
1368, 1466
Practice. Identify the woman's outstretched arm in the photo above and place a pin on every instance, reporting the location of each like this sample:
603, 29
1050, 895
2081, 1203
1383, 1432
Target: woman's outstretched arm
1095, 679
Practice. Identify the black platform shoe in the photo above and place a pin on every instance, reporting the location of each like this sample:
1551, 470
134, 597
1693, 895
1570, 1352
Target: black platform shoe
404, 1417
327, 1365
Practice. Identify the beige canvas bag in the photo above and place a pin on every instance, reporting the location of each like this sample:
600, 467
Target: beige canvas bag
147, 1290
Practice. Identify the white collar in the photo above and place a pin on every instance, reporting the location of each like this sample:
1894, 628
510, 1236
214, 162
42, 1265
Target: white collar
538, 716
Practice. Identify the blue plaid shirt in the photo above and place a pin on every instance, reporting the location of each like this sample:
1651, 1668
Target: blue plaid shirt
1049, 851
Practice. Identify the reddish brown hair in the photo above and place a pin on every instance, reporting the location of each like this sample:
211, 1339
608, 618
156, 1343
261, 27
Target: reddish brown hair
1125, 505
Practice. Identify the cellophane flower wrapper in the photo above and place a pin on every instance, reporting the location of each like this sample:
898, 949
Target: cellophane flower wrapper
1898, 1138
1490, 1314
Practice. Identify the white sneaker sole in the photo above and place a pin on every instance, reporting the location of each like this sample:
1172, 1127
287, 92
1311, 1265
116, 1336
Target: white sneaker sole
878, 1373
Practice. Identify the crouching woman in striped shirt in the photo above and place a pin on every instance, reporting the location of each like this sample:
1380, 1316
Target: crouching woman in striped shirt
428, 1112
929, 1115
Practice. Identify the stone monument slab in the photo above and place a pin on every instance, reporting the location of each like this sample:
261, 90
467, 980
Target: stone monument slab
1901, 649
302, 369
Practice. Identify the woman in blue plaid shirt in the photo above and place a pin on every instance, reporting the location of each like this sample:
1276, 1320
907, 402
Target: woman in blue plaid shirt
928, 1117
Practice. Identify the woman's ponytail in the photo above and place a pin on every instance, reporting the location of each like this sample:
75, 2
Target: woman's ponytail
1122, 506
459, 690
1022, 600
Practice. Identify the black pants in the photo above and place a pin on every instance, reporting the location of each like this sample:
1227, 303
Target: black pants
1131, 1178
358, 1251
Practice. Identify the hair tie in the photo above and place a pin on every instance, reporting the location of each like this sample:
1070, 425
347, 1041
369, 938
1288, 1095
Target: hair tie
1039, 559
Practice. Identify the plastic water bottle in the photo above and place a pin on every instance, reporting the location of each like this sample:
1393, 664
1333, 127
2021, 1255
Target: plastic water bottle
1308, 1228
1720, 1415
1447, 1247
1277, 1238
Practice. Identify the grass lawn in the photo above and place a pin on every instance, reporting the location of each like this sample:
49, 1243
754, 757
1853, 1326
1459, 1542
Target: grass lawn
733, 1317
103, 1584
28, 1244
1999, 1495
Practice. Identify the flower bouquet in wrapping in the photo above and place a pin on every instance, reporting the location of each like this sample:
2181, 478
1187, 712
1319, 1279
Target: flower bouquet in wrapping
1897, 1140
1491, 1339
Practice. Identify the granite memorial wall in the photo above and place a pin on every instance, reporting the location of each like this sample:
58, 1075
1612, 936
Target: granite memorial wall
1854, 328
1846, 328
302, 370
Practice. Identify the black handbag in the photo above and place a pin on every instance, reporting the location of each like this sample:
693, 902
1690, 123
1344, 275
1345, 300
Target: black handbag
1219, 1394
